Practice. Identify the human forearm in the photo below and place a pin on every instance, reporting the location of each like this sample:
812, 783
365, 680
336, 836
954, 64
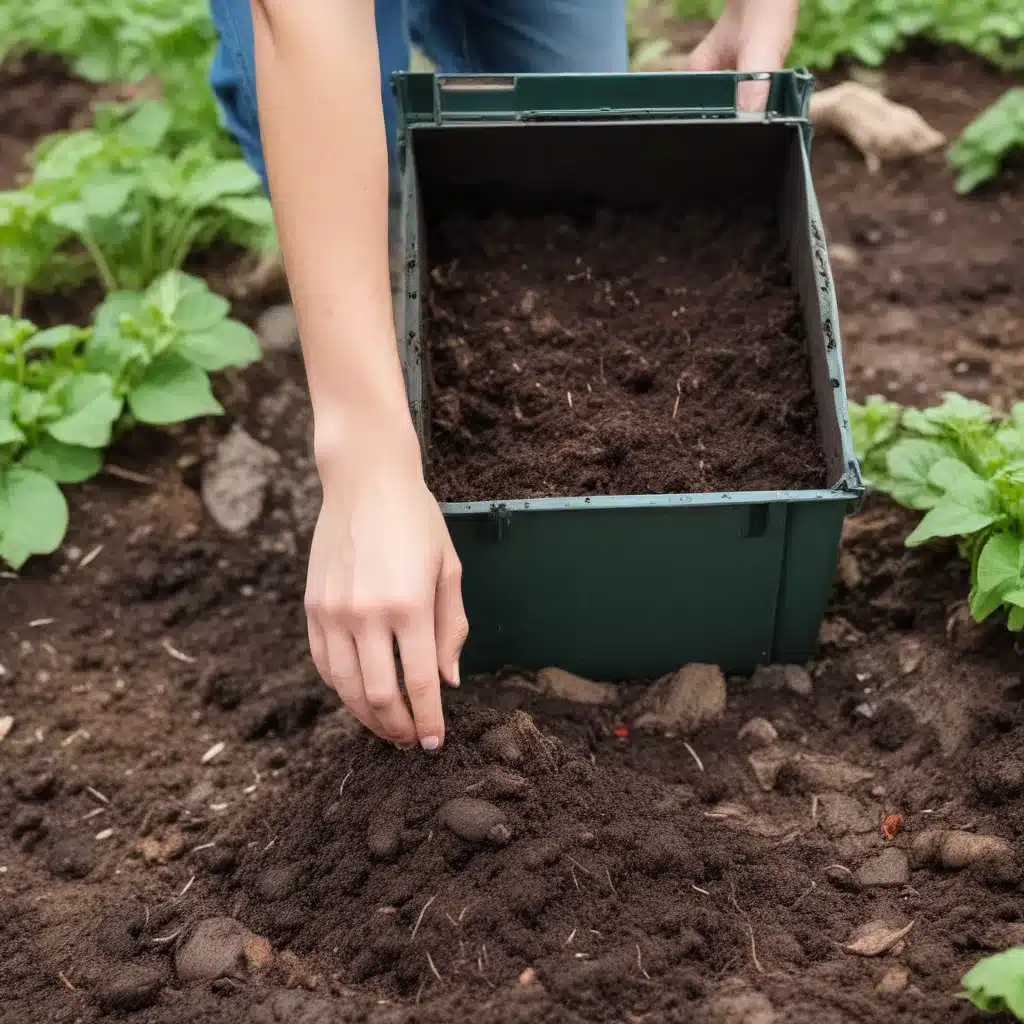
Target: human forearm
323, 135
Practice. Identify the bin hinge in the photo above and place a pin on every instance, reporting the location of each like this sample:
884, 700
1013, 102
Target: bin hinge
501, 519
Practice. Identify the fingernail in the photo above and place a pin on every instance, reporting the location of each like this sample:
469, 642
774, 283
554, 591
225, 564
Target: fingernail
430, 743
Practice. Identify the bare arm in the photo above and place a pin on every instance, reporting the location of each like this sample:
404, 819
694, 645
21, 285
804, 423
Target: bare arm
382, 566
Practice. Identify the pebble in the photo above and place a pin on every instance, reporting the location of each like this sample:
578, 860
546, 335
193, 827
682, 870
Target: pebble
684, 702
794, 678
278, 329
219, 947
557, 682
842, 877
890, 868
135, 988
766, 763
758, 732
235, 481
893, 982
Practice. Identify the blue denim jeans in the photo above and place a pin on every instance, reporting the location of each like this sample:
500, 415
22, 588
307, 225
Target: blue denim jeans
467, 36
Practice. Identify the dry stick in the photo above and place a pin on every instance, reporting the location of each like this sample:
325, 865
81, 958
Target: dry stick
693, 754
343, 781
128, 474
572, 871
97, 794
572, 935
585, 871
430, 960
416, 927
803, 896
640, 963
750, 931
452, 919
419, 991
188, 885
60, 974
608, 874
464, 909
697, 888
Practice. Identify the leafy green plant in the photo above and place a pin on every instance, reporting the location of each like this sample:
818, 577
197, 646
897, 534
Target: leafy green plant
869, 30
997, 983
67, 392
964, 468
110, 203
988, 140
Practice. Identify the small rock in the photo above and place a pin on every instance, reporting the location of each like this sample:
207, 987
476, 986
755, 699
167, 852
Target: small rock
556, 682
6, 725
956, 849
134, 988
876, 938
159, 851
476, 821
758, 732
766, 763
684, 702
910, 656
528, 303
235, 481
528, 977
840, 815
737, 1003
845, 255
893, 982
821, 772
842, 877
219, 947
794, 678
890, 868
278, 329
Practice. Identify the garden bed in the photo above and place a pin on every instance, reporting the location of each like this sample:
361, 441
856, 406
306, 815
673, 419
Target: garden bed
151, 638
643, 353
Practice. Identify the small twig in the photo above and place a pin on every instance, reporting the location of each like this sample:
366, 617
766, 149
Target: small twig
572, 871
430, 960
693, 754
753, 948
203, 846
697, 888
640, 963
36, 623
487, 959
86, 559
97, 794
176, 654
803, 896
452, 919
568, 395
163, 939
128, 474
585, 871
416, 926
675, 408
572, 935
60, 974
611, 886
814, 808
419, 991
341, 791
93, 813
464, 909
188, 885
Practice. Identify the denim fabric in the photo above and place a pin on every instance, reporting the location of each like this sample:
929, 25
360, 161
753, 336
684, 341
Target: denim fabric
474, 36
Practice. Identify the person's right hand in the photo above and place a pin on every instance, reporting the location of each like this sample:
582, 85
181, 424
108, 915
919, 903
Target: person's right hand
382, 568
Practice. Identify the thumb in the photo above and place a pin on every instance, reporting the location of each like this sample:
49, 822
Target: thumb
765, 42
451, 627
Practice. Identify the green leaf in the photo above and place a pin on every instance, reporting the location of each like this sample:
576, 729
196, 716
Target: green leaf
951, 476
1015, 623
227, 178
999, 564
33, 515
149, 125
53, 338
30, 405
10, 433
171, 391
909, 465
200, 311
254, 210
107, 198
72, 217
950, 519
92, 409
997, 982
65, 463
230, 343
1015, 597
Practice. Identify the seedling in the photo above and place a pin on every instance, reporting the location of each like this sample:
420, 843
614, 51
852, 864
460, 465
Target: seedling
67, 392
964, 468
988, 141
996, 983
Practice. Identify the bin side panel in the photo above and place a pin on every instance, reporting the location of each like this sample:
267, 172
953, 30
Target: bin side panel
622, 593
812, 540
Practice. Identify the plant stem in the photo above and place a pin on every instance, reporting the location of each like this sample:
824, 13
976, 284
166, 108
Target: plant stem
106, 274
18, 303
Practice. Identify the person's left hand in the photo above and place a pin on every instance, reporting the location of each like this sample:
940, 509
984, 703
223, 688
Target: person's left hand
751, 35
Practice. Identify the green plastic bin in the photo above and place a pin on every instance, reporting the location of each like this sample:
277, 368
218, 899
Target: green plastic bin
631, 587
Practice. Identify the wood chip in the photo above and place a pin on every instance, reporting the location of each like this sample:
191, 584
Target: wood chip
105, 834
876, 938
212, 752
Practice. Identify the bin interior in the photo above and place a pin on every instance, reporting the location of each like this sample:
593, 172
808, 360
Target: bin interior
562, 167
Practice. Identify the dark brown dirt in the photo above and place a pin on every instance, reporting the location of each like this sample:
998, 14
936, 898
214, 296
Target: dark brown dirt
622, 354
151, 637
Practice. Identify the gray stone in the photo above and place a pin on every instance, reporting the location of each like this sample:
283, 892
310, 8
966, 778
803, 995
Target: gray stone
890, 868
557, 682
684, 702
277, 329
794, 678
758, 732
235, 481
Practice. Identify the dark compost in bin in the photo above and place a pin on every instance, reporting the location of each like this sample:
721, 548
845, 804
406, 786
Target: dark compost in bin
617, 353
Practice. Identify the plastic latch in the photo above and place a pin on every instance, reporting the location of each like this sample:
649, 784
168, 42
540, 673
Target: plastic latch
501, 520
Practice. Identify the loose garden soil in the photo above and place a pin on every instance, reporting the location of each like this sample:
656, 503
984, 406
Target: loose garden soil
613, 877
635, 353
